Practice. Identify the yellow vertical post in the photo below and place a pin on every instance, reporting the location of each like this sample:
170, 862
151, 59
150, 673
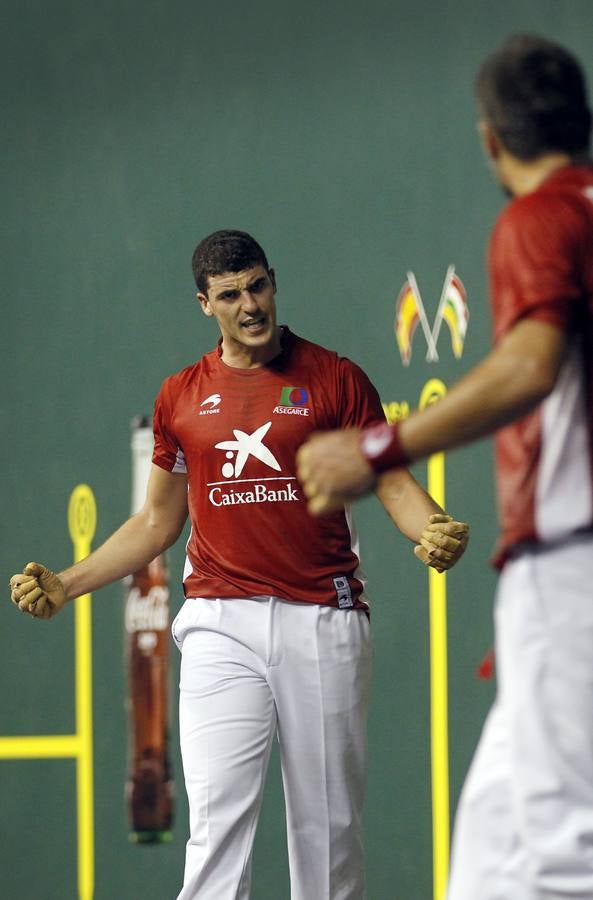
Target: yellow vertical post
82, 520
439, 717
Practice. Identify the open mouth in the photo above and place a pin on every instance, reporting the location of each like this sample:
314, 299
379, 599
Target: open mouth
255, 324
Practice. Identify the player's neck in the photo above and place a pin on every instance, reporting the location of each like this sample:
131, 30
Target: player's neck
242, 356
521, 177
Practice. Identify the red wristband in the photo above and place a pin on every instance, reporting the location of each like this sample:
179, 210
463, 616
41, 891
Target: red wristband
382, 448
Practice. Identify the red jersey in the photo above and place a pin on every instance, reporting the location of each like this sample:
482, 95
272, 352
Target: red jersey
236, 432
541, 267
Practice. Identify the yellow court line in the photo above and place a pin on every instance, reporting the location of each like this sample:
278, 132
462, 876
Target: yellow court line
40, 747
439, 715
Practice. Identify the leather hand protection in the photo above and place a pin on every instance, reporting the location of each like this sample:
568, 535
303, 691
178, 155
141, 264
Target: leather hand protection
442, 542
37, 591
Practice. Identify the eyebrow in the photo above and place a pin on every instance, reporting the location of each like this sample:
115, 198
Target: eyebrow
228, 290
258, 279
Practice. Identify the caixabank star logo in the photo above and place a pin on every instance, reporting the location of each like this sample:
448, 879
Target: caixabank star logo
410, 312
265, 488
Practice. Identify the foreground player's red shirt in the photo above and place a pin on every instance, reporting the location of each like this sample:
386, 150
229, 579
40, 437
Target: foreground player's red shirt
235, 432
541, 267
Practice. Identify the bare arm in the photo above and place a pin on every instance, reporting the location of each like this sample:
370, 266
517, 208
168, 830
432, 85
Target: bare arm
515, 376
440, 540
406, 503
518, 373
134, 545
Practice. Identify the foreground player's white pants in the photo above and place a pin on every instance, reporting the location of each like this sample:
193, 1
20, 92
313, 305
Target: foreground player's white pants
524, 827
252, 669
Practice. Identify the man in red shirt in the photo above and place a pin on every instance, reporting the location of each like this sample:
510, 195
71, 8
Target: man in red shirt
524, 827
274, 633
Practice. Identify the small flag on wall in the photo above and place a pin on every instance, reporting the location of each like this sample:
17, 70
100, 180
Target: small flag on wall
409, 312
406, 319
456, 313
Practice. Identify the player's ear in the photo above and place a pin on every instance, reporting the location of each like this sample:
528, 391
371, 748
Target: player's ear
205, 304
272, 275
490, 140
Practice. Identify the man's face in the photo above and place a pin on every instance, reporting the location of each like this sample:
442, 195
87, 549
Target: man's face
243, 304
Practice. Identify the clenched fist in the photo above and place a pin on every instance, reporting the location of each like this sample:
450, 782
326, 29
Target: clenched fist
443, 542
37, 591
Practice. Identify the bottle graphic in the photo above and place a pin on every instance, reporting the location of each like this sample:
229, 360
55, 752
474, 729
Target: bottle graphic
149, 786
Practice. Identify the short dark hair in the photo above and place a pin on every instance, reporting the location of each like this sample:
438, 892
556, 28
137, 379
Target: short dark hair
533, 94
225, 251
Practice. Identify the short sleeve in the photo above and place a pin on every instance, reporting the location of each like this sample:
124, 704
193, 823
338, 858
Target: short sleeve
359, 404
533, 263
167, 453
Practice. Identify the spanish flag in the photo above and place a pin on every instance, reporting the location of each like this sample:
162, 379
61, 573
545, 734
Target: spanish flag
456, 314
406, 320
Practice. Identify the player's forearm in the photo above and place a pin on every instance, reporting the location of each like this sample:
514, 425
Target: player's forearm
131, 547
474, 408
507, 385
407, 504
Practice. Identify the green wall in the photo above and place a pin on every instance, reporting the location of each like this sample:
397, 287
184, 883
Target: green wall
343, 137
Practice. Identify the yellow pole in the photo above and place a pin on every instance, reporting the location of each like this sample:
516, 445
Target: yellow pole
82, 519
439, 730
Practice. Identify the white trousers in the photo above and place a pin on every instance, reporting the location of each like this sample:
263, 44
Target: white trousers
252, 669
524, 826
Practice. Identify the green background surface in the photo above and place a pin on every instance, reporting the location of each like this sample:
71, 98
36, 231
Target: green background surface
343, 137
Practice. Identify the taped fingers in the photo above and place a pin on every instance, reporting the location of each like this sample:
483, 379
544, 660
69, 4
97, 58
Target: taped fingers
434, 552
30, 598
452, 536
441, 541
21, 587
41, 612
37, 591
18, 580
41, 608
457, 529
431, 561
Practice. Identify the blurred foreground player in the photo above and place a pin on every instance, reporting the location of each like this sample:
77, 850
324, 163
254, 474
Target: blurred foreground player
524, 828
274, 633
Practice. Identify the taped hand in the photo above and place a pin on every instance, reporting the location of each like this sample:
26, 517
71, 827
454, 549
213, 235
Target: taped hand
442, 542
37, 591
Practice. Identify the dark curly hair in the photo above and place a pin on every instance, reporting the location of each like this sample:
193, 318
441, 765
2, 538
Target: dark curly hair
225, 251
